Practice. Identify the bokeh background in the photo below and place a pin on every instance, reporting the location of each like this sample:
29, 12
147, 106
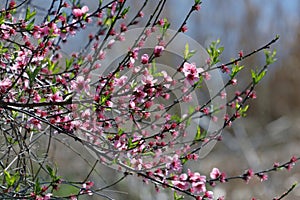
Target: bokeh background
271, 131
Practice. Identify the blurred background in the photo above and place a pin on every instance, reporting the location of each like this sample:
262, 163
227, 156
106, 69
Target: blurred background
271, 131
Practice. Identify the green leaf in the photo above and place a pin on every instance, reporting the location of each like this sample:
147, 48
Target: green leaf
165, 27
14, 114
178, 196
235, 70
34, 74
131, 144
183, 160
176, 118
270, 56
243, 111
53, 173
9, 179
120, 131
124, 12
166, 24
30, 25
153, 68
214, 51
50, 170
69, 63
257, 76
187, 53
37, 187
2, 18
198, 134
12, 141
29, 15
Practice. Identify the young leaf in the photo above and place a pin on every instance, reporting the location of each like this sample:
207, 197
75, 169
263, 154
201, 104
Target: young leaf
235, 70
29, 14
124, 12
178, 196
176, 118
270, 57
214, 52
8, 179
186, 51
198, 134
256, 76
33, 74
30, 25
37, 187
131, 144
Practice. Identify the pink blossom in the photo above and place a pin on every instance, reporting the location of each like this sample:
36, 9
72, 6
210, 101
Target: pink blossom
47, 196
198, 187
4, 85
184, 29
73, 197
56, 97
191, 72
80, 84
148, 104
144, 59
109, 104
101, 55
175, 164
252, 95
167, 78
225, 69
196, 177
187, 98
208, 195
205, 110
110, 43
141, 14
158, 51
215, 173
121, 81
77, 12
207, 76
181, 184
132, 105
88, 185
35, 122
263, 177
166, 96
123, 27
248, 175
36, 98
140, 95
241, 54
233, 81
183, 177
161, 22
197, 7
148, 80
223, 95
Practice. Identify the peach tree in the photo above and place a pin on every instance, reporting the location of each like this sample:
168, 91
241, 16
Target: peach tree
144, 99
